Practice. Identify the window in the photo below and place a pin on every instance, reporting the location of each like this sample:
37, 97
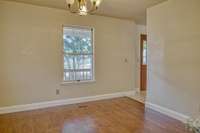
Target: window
144, 52
78, 54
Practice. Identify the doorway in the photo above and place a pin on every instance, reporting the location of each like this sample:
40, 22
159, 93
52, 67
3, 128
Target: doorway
143, 62
140, 95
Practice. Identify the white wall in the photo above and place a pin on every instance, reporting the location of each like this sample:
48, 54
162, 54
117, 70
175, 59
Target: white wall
31, 60
174, 59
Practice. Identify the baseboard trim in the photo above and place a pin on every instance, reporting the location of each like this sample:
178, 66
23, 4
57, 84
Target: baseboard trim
137, 90
176, 115
33, 106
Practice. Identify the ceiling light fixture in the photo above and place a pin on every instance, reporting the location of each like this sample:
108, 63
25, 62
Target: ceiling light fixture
83, 7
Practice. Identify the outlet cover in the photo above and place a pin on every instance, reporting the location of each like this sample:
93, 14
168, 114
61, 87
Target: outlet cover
57, 91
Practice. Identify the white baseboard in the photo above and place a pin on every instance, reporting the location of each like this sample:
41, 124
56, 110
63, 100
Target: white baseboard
33, 106
137, 90
178, 116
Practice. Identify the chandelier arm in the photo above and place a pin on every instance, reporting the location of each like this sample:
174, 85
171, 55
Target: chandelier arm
93, 9
79, 4
70, 9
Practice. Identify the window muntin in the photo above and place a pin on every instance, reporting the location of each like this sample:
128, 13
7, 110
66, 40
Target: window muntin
78, 54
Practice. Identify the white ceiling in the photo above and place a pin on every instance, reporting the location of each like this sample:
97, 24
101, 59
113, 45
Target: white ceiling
125, 9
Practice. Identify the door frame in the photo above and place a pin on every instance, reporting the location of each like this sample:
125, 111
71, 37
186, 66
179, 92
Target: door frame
143, 37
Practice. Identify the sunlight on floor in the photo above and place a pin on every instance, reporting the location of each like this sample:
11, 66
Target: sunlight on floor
139, 96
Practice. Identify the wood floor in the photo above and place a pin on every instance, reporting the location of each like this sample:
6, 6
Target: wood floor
120, 115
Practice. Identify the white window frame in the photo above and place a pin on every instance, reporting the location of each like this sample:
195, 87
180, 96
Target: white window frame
65, 82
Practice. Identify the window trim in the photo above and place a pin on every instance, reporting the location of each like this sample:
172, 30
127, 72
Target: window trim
64, 82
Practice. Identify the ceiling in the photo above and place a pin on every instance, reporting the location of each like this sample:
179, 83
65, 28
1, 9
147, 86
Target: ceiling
125, 9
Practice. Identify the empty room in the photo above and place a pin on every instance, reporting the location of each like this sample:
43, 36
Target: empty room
99, 66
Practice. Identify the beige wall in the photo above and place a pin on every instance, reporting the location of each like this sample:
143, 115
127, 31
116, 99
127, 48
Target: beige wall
174, 55
31, 60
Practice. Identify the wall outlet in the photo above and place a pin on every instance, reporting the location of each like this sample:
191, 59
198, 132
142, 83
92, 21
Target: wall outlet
126, 60
57, 92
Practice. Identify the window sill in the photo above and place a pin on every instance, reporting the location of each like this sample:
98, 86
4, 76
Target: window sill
77, 82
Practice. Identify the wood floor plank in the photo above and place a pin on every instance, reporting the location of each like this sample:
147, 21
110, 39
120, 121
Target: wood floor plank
120, 115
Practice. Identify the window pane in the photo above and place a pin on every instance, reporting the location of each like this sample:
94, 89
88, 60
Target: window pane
77, 40
78, 54
83, 67
68, 68
144, 52
144, 60
68, 62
